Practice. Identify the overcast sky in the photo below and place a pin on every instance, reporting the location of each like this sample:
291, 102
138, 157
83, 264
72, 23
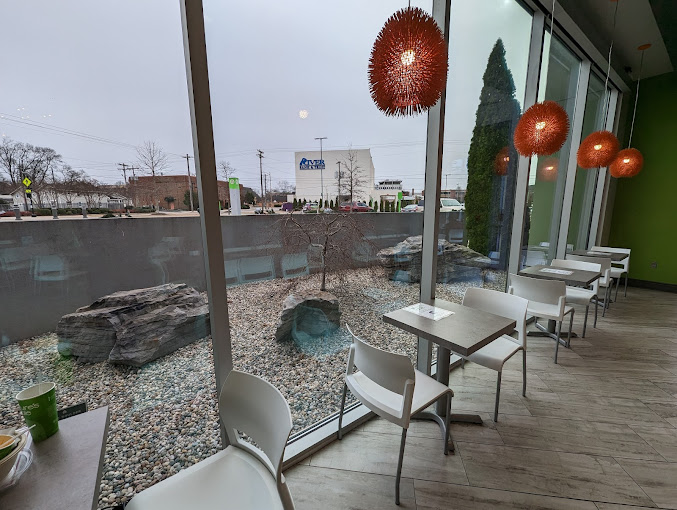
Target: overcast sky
114, 70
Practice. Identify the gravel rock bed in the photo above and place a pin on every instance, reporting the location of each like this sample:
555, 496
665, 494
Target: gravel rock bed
164, 416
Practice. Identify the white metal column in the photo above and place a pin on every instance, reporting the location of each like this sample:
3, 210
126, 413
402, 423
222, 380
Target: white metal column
522, 184
603, 178
197, 74
576, 128
433, 178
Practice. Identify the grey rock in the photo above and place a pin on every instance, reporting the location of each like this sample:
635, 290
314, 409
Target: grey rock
402, 262
135, 327
313, 311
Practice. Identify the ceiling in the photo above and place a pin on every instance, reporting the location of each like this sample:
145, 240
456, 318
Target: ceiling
637, 22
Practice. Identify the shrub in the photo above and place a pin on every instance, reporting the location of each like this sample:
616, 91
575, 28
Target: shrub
108, 215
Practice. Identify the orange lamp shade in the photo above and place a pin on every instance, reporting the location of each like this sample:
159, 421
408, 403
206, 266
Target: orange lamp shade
502, 162
546, 170
408, 64
628, 163
542, 129
598, 149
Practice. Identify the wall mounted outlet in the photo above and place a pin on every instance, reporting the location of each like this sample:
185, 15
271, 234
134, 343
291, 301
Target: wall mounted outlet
654, 265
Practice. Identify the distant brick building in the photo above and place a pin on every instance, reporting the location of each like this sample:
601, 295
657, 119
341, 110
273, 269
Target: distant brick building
147, 190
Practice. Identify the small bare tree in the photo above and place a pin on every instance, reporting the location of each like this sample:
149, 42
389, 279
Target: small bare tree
151, 157
226, 170
338, 240
353, 180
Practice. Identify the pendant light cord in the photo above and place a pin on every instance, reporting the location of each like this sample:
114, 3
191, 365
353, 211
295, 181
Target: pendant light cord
552, 21
608, 69
634, 112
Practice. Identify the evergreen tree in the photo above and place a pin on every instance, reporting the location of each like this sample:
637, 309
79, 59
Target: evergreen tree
496, 116
382, 209
371, 202
331, 204
295, 204
375, 206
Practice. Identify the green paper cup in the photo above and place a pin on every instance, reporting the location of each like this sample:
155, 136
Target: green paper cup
38, 405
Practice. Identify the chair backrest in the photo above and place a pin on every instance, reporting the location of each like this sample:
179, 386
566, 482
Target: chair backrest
605, 264
499, 303
387, 369
580, 265
608, 249
550, 292
251, 405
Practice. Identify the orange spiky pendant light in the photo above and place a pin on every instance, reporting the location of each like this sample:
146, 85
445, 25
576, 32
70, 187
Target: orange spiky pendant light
543, 128
408, 64
599, 149
629, 162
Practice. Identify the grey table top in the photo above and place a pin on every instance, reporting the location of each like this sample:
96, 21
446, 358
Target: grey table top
464, 332
577, 278
66, 468
615, 257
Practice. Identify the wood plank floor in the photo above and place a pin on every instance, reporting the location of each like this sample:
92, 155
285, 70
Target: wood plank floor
598, 431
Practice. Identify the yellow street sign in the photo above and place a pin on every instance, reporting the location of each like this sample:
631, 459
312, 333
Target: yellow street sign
27, 182
28, 191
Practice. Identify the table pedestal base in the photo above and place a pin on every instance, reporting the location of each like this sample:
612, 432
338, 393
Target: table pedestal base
550, 332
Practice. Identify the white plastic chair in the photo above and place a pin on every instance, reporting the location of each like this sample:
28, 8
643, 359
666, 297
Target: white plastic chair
242, 476
547, 300
620, 268
388, 384
495, 354
605, 281
579, 295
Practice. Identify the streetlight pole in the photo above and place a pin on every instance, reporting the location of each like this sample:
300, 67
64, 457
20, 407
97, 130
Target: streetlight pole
320, 138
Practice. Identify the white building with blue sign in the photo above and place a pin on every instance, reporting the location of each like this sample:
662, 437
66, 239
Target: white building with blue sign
319, 174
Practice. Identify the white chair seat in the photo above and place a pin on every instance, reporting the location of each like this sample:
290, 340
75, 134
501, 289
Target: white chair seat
426, 391
496, 353
230, 479
546, 311
616, 272
579, 296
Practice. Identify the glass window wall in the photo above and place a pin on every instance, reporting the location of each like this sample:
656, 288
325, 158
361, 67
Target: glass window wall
488, 59
586, 179
547, 175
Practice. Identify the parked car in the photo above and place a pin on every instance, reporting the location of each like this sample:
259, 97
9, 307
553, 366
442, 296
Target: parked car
446, 205
310, 207
357, 207
410, 208
288, 206
451, 205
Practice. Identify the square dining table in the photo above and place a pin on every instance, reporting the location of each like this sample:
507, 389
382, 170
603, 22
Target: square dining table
463, 332
615, 257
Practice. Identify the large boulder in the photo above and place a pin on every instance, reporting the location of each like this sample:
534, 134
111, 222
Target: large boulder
402, 262
136, 326
310, 313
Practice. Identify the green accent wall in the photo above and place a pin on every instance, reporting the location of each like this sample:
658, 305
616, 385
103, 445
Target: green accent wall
645, 208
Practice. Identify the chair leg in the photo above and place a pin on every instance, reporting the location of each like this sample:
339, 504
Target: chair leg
524, 373
571, 326
447, 420
343, 404
498, 396
585, 321
606, 300
596, 308
399, 467
618, 284
625, 293
559, 330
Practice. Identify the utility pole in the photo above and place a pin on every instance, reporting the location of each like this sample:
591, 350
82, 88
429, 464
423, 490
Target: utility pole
320, 138
446, 181
260, 155
338, 206
124, 172
190, 182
